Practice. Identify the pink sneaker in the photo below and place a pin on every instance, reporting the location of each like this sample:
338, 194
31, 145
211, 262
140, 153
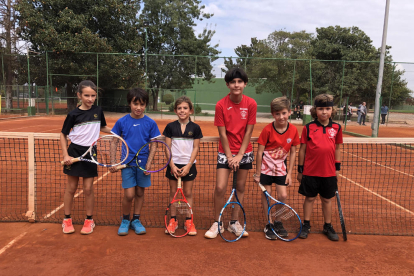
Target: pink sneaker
88, 227
68, 226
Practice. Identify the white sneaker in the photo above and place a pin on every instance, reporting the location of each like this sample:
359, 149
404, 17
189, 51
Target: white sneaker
237, 229
213, 231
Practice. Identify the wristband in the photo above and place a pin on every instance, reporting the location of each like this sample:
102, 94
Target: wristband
300, 168
337, 165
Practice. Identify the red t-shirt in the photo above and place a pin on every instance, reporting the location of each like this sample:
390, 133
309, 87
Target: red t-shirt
320, 148
277, 146
235, 117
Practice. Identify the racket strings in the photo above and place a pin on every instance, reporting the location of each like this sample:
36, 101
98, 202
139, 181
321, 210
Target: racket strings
177, 216
110, 150
284, 221
232, 222
153, 156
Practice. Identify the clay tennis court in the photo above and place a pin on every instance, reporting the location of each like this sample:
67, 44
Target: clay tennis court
47, 249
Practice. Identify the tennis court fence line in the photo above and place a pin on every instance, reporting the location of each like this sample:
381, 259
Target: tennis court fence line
376, 185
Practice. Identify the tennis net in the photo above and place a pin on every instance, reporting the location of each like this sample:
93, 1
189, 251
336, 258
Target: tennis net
375, 184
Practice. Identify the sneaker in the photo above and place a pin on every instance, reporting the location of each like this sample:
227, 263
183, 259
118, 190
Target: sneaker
68, 226
280, 230
137, 226
237, 229
213, 231
191, 226
269, 233
330, 233
305, 231
172, 225
88, 227
124, 228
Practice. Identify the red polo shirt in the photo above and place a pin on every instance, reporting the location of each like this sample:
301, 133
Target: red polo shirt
320, 148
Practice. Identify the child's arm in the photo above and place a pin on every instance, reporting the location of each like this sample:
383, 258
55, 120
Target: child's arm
64, 144
225, 143
246, 140
186, 169
338, 156
259, 158
106, 129
151, 155
174, 169
291, 165
301, 159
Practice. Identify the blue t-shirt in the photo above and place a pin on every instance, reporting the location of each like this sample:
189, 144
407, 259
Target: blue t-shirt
136, 133
384, 109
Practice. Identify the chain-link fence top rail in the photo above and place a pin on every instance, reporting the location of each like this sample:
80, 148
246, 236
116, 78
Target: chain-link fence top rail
299, 79
375, 184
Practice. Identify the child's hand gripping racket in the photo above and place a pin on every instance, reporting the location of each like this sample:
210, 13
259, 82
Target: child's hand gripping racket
107, 151
284, 221
156, 156
179, 215
230, 217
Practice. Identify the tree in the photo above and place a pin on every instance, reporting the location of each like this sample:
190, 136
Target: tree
65, 28
170, 32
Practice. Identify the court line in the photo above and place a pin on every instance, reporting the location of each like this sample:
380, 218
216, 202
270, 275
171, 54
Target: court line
76, 195
378, 195
12, 242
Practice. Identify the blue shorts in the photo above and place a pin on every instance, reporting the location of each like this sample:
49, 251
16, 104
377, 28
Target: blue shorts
134, 176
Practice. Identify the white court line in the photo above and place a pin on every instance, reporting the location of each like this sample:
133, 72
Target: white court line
76, 195
12, 242
378, 195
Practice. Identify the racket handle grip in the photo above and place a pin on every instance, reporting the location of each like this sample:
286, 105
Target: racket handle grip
74, 160
120, 167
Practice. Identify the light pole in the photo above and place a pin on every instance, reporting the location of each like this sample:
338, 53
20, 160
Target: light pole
146, 24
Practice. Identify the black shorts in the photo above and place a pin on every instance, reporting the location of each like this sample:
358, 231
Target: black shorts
189, 177
245, 164
311, 186
269, 180
80, 169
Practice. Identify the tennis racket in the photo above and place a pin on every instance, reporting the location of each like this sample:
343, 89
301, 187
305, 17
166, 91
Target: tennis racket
107, 151
341, 216
283, 220
179, 215
155, 152
230, 214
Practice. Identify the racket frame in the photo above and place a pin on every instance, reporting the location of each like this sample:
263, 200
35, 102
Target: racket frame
233, 193
183, 200
90, 151
270, 206
341, 216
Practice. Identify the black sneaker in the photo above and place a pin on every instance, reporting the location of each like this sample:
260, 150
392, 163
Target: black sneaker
305, 231
280, 230
269, 233
330, 232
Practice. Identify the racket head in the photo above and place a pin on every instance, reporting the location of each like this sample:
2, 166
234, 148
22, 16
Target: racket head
284, 221
341, 216
232, 211
109, 151
179, 208
159, 158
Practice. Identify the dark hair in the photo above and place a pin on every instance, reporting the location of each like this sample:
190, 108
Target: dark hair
87, 83
138, 94
235, 73
183, 99
324, 98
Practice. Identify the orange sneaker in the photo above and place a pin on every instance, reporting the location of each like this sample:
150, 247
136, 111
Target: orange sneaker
172, 225
68, 226
192, 228
88, 227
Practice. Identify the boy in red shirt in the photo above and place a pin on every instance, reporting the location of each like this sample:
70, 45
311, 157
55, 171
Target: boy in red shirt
275, 142
320, 162
235, 118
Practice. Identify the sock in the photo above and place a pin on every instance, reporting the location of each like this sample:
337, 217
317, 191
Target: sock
233, 221
88, 217
306, 222
327, 225
135, 216
125, 217
67, 216
174, 217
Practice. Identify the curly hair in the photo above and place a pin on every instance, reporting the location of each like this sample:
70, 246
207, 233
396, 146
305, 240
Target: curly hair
324, 98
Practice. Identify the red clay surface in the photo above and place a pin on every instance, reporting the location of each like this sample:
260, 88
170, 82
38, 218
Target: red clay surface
44, 250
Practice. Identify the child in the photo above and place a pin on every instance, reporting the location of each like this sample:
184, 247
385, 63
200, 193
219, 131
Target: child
235, 118
82, 126
320, 162
275, 142
137, 129
183, 137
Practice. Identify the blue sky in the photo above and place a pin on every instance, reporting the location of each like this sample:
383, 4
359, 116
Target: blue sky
236, 22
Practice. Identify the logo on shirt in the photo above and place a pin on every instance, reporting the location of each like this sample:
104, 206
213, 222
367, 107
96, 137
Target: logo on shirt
243, 114
190, 133
332, 133
136, 124
95, 116
228, 108
288, 140
316, 130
